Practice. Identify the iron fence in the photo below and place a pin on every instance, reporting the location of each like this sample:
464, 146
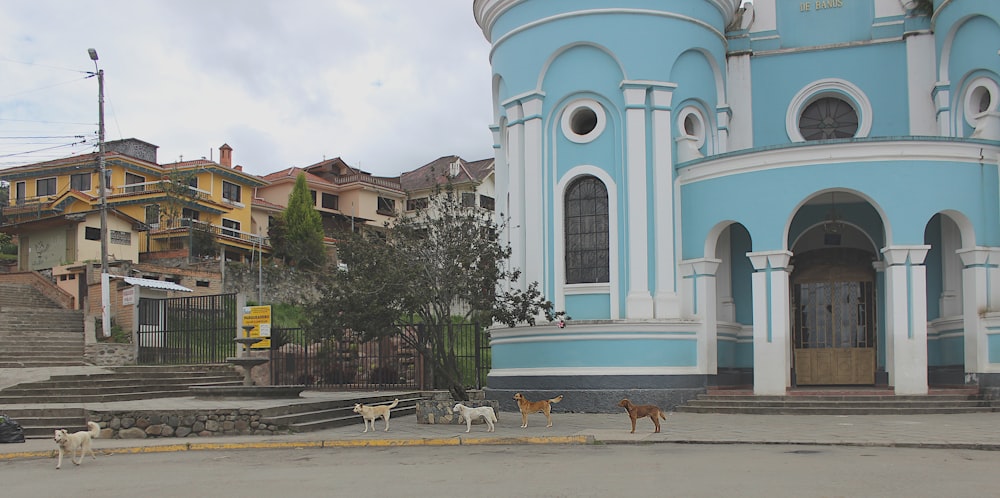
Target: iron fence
186, 330
389, 362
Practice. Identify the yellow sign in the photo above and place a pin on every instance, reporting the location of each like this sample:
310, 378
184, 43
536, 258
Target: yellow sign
260, 318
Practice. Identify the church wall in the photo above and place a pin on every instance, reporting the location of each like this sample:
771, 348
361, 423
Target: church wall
779, 78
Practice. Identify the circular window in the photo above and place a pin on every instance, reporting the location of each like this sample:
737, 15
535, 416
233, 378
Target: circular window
583, 121
828, 118
691, 122
828, 109
980, 98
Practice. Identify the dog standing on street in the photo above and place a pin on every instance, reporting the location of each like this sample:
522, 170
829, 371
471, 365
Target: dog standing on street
527, 407
71, 442
469, 413
636, 412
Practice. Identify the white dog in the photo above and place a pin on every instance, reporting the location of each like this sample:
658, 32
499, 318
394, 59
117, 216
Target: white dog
469, 414
70, 442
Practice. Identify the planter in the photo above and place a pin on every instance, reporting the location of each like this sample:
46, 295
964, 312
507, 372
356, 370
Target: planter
439, 411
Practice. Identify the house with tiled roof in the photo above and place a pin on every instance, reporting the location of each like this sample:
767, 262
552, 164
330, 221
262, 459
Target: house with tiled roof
346, 197
472, 180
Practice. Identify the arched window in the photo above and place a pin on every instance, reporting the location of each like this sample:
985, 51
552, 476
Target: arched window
587, 257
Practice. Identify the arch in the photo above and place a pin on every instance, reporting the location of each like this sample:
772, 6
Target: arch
559, 237
883, 218
566, 48
499, 88
949, 40
965, 227
712, 237
717, 74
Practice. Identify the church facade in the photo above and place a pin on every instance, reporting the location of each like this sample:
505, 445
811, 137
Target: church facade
768, 194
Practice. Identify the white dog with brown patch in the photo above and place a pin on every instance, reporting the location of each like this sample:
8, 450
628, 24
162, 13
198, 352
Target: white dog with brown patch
371, 413
469, 414
71, 442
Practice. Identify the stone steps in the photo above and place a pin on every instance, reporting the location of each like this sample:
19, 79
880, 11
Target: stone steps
35, 332
845, 402
125, 384
306, 417
39, 423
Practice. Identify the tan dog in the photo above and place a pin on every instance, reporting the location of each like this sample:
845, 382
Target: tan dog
70, 442
543, 406
636, 412
371, 413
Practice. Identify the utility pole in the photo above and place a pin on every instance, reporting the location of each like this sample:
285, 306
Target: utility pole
105, 277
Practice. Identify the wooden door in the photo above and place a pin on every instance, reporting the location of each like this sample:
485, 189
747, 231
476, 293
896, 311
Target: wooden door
833, 323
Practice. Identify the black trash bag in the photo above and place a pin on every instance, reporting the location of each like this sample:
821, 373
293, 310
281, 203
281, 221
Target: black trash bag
10, 430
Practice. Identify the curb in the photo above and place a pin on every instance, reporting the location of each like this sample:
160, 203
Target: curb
371, 443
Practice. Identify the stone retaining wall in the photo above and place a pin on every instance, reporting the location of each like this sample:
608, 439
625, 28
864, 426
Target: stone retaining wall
110, 354
439, 411
181, 423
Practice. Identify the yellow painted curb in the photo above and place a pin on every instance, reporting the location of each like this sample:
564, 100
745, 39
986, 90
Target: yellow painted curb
531, 440
256, 445
368, 443
163, 448
27, 454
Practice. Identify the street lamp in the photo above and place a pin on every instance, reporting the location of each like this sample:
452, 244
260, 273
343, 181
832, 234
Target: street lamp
105, 278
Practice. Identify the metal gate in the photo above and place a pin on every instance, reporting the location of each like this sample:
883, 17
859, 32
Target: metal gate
388, 362
187, 330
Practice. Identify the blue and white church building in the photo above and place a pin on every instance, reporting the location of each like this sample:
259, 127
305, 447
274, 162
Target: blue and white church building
774, 195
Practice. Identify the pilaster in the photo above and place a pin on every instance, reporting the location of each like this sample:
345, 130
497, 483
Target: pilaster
638, 301
906, 317
700, 304
772, 365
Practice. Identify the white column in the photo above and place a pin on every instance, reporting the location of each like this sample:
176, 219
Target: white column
666, 301
906, 317
724, 278
500, 175
700, 304
950, 300
942, 101
980, 276
515, 185
772, 374
738, 88
638, 301
920, 68
534, 232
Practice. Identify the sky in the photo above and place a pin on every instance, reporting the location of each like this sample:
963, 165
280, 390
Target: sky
386, 85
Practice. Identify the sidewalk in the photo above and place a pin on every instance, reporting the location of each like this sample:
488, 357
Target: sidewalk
966, 431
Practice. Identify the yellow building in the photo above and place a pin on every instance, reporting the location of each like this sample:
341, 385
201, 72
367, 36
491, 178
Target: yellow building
193, 208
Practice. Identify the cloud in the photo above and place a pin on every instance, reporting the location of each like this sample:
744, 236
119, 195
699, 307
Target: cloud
387, 85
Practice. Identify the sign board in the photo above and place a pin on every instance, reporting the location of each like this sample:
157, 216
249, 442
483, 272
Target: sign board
128, 296
260, 318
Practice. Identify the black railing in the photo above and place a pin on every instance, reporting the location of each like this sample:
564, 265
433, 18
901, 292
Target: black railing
187, 330
389, 362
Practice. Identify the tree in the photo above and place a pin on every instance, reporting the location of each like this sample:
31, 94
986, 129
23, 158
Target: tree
423, 270
297, 234
177, 195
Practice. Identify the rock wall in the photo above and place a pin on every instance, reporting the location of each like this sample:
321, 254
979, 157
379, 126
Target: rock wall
109, 354
131, 424
281, 284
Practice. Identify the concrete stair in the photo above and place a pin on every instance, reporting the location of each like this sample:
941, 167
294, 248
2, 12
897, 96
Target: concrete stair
125, 384
306, 417
41, 423
36, 332
839, 402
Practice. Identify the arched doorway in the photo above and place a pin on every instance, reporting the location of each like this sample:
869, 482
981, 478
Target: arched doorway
834, 313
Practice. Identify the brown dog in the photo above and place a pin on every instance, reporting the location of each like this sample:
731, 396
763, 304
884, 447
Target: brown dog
544, 406
638, 411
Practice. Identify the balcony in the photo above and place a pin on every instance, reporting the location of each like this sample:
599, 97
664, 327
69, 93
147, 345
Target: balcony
159, 233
